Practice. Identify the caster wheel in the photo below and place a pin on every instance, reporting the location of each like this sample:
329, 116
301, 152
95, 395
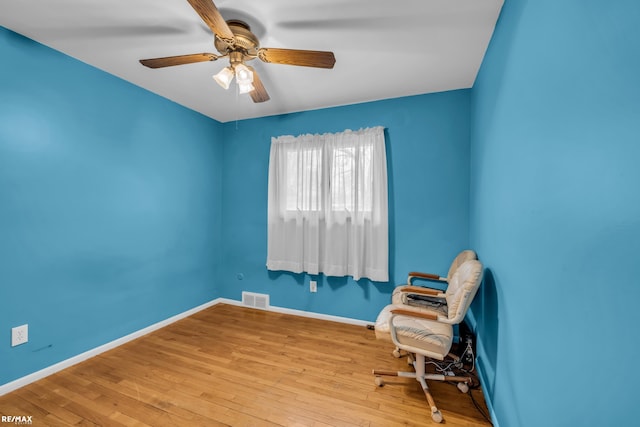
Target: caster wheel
396, 353
379, 381
463, 387
436, 416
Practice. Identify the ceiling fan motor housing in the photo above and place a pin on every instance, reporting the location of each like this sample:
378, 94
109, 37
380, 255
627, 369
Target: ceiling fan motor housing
244, 41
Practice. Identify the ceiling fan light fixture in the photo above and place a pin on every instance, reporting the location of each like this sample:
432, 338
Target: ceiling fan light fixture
224, 77
245, 87
243, 75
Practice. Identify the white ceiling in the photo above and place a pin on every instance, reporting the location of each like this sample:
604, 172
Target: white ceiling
383, 48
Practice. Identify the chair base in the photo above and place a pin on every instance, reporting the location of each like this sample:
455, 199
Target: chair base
421, 376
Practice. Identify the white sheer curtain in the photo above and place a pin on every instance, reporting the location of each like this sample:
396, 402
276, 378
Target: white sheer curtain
328, 204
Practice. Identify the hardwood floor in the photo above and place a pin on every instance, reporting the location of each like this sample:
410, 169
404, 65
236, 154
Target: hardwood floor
234, 366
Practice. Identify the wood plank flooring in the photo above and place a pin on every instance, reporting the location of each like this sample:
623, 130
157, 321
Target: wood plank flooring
234, 366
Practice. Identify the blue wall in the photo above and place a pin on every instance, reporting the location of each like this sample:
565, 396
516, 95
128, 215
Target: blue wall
555, 212
428, 166
109, 206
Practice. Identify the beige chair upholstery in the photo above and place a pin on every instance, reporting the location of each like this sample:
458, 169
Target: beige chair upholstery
402, 294
429, 334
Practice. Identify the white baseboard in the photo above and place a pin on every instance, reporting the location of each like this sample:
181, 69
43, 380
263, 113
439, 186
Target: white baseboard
28, 379
487, 398
301, 313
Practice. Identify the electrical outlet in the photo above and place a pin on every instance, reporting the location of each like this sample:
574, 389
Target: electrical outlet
313, 286
469, 353
19, 335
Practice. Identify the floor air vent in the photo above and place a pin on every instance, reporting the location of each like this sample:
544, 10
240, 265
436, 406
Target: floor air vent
251, 299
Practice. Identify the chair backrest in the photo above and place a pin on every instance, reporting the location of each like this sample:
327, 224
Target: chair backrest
462, 289
460, 259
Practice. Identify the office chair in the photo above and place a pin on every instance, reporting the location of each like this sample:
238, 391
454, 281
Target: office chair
422, 298
428, 334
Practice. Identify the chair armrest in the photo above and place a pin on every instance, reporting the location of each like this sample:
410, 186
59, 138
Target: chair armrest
422, 291
424, 276
418, 314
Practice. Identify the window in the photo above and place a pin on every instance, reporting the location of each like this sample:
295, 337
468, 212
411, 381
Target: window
349, 183
328, 204
303, 171
351, 179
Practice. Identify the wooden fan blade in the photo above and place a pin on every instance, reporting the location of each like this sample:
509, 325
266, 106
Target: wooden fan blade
259, 94
170, 61
211, 16
305, 58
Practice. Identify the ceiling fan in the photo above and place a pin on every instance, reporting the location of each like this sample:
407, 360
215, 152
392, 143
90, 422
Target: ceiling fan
234, 39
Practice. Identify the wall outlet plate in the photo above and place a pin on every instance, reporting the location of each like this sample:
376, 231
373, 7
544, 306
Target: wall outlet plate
19, 335
313, 286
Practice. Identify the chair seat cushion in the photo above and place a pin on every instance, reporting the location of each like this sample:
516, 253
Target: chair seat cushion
429, 335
